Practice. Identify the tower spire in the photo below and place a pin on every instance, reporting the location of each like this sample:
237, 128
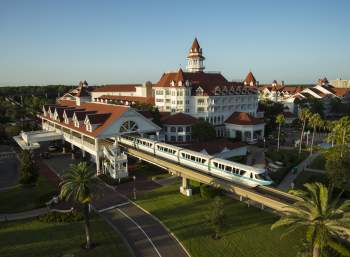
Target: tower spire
195, 58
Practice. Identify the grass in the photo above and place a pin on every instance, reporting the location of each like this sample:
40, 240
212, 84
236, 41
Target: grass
32, 238
150, 171
319, 163
21, 198
290, 158
246, 231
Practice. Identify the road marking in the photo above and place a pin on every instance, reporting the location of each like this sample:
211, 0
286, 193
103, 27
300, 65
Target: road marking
149, 239
113, 207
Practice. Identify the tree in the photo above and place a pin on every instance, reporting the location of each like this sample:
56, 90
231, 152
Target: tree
315, 122
203, 131
304, 115
325, 221
28, 169
338, 168
217, 216
77, 183
280, 120
342, 132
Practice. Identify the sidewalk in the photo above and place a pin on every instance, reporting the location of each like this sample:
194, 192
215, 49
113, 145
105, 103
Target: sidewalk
290, 177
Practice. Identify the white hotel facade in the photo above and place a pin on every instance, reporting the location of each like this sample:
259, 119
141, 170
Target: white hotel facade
206, 95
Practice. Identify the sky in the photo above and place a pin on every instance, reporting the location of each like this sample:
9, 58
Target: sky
129, 41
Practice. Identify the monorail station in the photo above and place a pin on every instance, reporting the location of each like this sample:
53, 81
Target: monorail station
93, 128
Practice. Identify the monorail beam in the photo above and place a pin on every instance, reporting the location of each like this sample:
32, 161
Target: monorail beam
242, 191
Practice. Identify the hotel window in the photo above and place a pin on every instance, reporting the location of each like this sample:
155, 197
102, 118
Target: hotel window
200, 109
180, 139
180, 129
188, 129
173, 129
167, 92
200, 101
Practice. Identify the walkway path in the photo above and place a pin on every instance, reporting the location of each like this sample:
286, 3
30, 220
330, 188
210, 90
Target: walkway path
291, 176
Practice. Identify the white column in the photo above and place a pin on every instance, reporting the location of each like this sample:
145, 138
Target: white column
82, 145
98, 171
185, 187
157, 133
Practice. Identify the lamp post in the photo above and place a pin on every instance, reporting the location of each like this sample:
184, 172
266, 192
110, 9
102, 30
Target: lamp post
264, 144
134, 189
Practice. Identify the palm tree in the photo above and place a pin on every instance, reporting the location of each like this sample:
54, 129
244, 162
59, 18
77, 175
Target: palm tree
304, 115
280, 121
325, 221
315, 121
342, 131
77, 183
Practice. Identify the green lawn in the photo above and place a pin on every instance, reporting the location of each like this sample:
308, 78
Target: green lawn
26, 198
32, 238
319, 163
150, 171
246, 234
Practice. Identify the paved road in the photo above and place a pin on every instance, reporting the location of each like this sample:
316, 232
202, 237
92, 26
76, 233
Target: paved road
145, 235
8, 172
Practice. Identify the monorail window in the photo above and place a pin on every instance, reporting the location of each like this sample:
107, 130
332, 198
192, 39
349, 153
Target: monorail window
251, 175
215, 164
228, 168
193, 158
261, 176
242, 172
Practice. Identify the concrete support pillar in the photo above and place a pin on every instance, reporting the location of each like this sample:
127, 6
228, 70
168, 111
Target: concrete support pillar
72, 148
63, 146
82, 146
98, 164
185, 187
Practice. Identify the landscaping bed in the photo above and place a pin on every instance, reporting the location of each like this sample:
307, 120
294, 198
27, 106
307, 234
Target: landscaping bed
33, 238
246, 230
24, 198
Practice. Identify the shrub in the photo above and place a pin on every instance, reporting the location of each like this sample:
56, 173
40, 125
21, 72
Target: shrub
208, 192
61, 217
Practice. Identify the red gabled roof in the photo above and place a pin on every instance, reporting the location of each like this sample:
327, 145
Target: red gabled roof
136, 99
117, 88
179, 119
207, 81
250, 78
98, 118
243, 118
115, 112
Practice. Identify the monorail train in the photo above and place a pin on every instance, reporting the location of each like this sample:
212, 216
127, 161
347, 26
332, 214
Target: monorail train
233, 171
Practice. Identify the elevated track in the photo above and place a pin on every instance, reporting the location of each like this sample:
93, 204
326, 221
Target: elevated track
266, 196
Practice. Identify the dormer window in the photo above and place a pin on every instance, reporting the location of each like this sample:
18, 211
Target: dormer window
172, 83
217, 91
199, 91
179, 83
224, 91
